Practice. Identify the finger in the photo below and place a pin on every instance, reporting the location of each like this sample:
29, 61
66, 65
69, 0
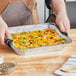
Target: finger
7, 33
67, 26
2, 38
62, 29
67, 29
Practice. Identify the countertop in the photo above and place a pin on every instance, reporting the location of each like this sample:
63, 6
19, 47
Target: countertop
40, 65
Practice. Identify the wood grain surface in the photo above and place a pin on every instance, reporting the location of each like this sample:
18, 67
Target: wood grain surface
39, 65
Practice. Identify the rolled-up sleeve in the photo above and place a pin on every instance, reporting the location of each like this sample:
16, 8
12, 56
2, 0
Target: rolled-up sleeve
47, 3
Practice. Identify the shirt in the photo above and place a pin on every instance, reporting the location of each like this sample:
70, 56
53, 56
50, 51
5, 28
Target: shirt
47, 3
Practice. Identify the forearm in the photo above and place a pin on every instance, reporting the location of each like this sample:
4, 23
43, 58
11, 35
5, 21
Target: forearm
3, 30
58, 6
1, 20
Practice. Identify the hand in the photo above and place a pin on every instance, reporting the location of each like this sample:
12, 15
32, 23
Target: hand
3, 31
63, 22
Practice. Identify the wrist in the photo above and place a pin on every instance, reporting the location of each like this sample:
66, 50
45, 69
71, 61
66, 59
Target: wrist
62, 13
2, 22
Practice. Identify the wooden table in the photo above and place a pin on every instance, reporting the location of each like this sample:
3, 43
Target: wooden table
44, 65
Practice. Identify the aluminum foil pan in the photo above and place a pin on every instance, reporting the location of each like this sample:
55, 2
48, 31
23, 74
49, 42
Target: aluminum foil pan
42, 49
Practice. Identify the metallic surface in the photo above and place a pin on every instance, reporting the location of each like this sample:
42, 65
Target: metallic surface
41, 49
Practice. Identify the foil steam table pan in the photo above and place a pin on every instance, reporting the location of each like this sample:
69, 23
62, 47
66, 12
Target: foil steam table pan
41, 49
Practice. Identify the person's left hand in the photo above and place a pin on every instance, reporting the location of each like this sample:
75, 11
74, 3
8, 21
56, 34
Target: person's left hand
63, 22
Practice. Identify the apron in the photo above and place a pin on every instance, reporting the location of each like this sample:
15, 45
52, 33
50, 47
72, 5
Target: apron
17, 14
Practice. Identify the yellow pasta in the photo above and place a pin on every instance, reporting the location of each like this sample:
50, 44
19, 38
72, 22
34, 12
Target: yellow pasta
36, 38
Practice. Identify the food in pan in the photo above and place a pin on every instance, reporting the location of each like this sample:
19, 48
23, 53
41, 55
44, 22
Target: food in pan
69, 69
36, 38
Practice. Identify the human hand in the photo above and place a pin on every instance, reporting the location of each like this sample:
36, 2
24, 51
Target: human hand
63, 22
3, 31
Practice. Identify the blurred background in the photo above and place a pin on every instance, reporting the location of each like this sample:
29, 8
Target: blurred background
71, 10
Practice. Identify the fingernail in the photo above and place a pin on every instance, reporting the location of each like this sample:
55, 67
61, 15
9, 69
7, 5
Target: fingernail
63, 30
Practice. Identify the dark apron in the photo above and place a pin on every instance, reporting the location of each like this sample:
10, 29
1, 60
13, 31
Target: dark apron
17, 14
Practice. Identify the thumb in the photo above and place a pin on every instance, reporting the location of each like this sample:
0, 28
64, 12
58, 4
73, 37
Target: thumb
2, 39
7, 33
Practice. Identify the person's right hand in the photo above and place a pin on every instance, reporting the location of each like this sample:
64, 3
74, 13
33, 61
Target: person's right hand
3, 31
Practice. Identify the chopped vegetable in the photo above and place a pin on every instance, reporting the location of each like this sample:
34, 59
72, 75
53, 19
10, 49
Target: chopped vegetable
36, 38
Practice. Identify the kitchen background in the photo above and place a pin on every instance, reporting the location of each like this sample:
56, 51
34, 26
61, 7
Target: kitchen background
71, 9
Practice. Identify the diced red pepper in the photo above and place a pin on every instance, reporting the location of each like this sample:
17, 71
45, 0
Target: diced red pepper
36, 37
15, 37
20, 33
53, 32
55, 41
42, 36
11, 34
39, 31
47, 30
31, 42
45, 33
52, 37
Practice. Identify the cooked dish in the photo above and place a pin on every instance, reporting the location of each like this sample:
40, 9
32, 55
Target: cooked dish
36, 38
